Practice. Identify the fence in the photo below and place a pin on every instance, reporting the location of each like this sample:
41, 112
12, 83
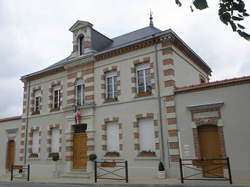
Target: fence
111, 168
206, 167
20, 171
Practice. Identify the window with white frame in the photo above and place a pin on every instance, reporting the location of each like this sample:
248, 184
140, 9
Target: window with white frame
143, 78
112, 137
37, 101
35, 142
111, 85
56, 97
79, 89
146, 135
55, 140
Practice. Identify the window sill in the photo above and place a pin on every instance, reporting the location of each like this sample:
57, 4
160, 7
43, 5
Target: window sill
144, 94
112, 154
34, 156
35, 113
110, 100
147, 154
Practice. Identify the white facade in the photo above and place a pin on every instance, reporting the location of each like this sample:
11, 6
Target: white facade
123, 123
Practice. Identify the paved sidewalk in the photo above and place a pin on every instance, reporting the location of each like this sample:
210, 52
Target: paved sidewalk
132, 180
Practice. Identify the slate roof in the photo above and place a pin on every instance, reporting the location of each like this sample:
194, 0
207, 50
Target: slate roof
215, 84
133, 36
105, 44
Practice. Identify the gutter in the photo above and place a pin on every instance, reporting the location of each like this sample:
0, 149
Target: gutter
27, 125
162, 149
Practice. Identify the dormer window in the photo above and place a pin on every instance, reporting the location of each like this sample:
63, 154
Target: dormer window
80, 44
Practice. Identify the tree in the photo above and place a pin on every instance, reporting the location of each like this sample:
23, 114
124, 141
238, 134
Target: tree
231, 12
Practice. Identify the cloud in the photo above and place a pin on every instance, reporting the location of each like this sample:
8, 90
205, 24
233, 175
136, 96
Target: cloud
34, 35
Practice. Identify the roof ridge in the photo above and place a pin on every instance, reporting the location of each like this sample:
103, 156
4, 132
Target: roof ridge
10, 118
136, 31
211, 84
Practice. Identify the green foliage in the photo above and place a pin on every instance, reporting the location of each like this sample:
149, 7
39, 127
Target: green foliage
230, 12
92, 157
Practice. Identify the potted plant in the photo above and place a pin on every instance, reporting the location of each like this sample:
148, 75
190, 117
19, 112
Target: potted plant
92, 157
161, 171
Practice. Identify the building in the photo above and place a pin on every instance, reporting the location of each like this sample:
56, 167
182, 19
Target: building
145, 97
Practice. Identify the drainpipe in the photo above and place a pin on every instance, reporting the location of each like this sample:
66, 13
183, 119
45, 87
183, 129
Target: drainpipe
27, 124
162, 152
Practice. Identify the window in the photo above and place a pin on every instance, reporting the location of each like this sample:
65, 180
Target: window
35, 142
37, 101
81, 47
79, 92
55, 140
146, 135
112, 137
111, 85
143, 79
56, 97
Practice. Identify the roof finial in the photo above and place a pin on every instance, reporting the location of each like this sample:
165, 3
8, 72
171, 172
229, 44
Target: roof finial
151, 24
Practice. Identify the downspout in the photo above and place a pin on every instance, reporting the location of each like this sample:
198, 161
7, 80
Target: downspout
162, 152
27, 123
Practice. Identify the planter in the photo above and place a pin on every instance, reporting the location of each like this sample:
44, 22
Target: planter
161, 174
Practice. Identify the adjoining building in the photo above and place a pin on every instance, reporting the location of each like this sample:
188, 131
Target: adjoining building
145, 97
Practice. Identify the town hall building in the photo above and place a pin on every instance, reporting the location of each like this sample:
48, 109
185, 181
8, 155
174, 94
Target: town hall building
143, 97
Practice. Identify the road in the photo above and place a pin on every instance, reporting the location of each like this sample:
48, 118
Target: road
33, 184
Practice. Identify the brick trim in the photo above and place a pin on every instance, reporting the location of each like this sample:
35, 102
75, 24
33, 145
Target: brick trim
136, 134
133, 66
104, 134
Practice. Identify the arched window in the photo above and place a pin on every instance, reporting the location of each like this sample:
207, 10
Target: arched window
79, 89
80, 44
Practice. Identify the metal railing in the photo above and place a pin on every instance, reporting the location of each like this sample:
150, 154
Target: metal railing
200, 164
111, 168
20, 171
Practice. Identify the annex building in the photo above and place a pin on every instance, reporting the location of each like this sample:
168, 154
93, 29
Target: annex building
144, 97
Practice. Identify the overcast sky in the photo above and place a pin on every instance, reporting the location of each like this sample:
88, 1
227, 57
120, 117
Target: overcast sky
34, 34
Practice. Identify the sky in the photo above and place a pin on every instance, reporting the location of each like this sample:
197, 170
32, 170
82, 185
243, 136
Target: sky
34, 34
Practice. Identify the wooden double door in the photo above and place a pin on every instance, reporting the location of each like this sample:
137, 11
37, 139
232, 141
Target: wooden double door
80, 151
210, 148
10, 156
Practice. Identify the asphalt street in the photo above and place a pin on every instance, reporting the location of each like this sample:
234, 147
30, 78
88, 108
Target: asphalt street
31, 184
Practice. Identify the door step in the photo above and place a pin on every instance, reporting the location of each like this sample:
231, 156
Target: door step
77, 173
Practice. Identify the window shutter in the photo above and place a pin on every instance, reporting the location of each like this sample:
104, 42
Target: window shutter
35, 141
55, 144
112, 137
146, 135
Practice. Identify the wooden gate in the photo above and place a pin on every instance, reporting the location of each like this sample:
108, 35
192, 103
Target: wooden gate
210, 148
80, 151
10, 154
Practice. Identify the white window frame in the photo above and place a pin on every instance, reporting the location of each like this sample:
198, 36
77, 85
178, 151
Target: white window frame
112, 137
56, 89
82, 94
111, 75
142, 67
35, 141
146, 134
